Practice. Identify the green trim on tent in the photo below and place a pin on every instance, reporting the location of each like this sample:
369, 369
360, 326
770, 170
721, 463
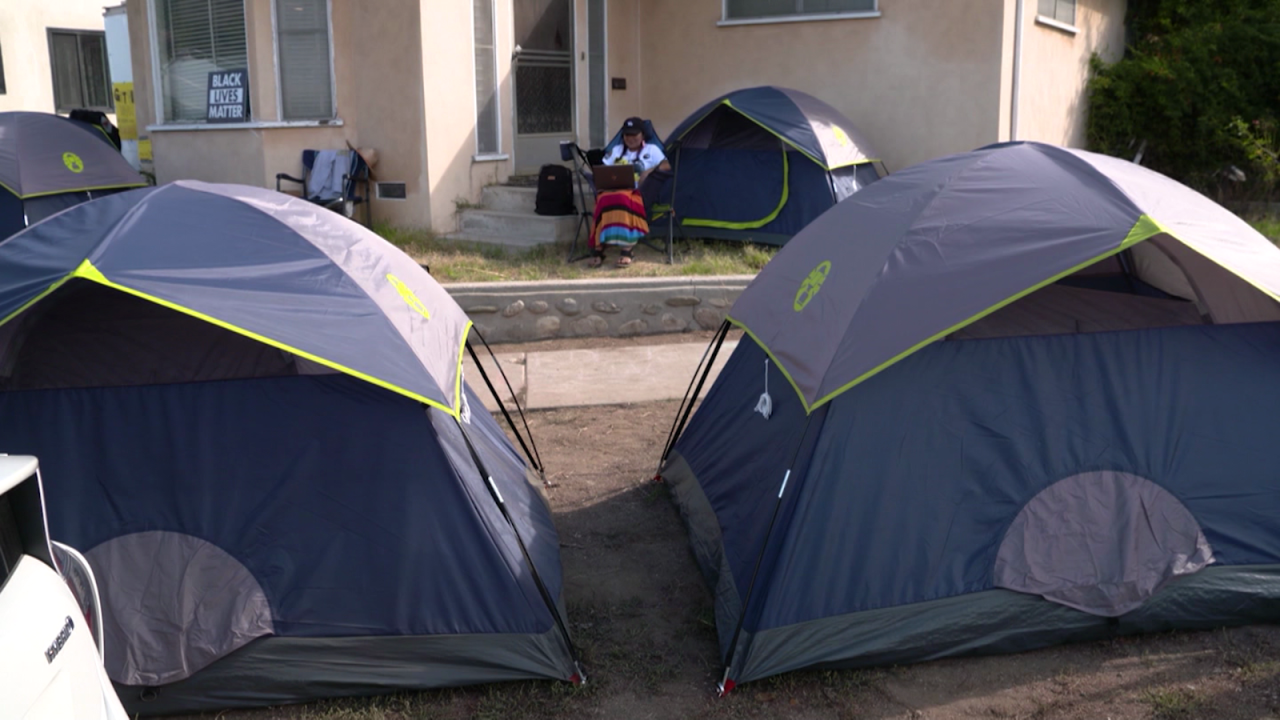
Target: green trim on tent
83, 189
71, 190
45, 293
1145, 228
777, 363
752, 224
87, 271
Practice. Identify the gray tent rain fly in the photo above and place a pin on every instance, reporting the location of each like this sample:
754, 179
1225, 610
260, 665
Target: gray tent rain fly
999, 400
49, 163
253, 416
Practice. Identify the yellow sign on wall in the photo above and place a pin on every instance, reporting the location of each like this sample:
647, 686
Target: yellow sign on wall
126, 115
144, 149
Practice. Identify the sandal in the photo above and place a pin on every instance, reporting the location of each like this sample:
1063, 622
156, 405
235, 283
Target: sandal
597, 259
625, 260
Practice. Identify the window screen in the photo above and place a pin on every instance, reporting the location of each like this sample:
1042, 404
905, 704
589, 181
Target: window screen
79, 64
195, 38
306, 79
746, 9
486, 79
1063, 11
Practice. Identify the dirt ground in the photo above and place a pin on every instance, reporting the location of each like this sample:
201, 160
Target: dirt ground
642, 616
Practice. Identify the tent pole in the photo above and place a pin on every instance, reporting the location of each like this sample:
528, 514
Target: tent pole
671, 212
726, 684
581, 676
700, 374
534, 458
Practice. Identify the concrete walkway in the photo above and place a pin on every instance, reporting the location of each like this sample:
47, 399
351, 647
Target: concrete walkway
569, 378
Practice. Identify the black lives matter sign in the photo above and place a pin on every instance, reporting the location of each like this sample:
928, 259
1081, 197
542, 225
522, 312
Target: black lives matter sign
228, 96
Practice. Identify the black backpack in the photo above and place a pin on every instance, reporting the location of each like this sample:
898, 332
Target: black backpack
555, 191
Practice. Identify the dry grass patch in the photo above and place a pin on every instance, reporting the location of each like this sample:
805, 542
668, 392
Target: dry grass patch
458, 261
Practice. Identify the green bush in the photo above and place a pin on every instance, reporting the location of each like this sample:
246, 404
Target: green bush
1197, 92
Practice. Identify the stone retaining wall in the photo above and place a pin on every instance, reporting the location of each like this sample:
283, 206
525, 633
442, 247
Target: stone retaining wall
616, 307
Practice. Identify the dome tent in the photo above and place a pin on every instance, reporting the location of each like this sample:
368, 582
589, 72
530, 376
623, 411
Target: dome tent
760, 163
49, 163
1017, 397
254, 415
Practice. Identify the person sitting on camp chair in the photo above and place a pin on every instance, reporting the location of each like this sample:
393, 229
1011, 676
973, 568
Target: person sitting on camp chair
621, 216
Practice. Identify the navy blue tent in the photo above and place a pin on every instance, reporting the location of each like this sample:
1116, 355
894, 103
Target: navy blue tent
998, 400
761, 163
49, 163
252, 419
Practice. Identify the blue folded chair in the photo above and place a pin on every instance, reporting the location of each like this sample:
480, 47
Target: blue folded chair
334, 179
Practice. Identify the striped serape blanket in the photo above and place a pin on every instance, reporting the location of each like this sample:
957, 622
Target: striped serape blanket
619, 219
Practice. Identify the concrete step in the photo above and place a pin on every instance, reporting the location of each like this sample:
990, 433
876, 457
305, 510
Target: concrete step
509, 199
520, 199
524, 228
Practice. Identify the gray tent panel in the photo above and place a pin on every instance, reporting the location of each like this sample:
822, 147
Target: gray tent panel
173, 604
1003, 621
279, 670
1101, 542
925, 251
43, 154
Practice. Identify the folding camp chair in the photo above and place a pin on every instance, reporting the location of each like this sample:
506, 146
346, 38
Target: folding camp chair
322, 186
584, 159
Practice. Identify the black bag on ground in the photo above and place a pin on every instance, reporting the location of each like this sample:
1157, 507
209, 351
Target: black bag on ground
555, 191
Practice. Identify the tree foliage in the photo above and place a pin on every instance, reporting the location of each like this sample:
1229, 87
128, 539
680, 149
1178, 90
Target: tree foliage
1198, 92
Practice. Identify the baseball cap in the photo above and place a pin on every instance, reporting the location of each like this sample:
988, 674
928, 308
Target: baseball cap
632, 125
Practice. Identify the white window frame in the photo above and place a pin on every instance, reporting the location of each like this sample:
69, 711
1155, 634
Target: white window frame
77, 33
275, 58
1058, 24
607, 90
497, 87
157, 92
726, 21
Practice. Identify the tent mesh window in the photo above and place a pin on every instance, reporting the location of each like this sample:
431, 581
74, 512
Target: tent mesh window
87, 335
1136, 290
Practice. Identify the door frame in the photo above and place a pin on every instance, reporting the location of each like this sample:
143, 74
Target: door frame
573, 132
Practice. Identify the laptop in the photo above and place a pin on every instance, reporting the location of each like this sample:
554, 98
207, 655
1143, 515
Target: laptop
614, 177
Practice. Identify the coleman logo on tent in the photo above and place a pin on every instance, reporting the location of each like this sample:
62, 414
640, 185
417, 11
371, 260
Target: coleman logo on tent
410, 297
842, 137
73, 162
812, 284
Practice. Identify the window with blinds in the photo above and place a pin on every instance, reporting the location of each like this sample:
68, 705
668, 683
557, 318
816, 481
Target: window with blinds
79, 63
306, 74
195, 38
1064, 11
759, 9
487, 137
